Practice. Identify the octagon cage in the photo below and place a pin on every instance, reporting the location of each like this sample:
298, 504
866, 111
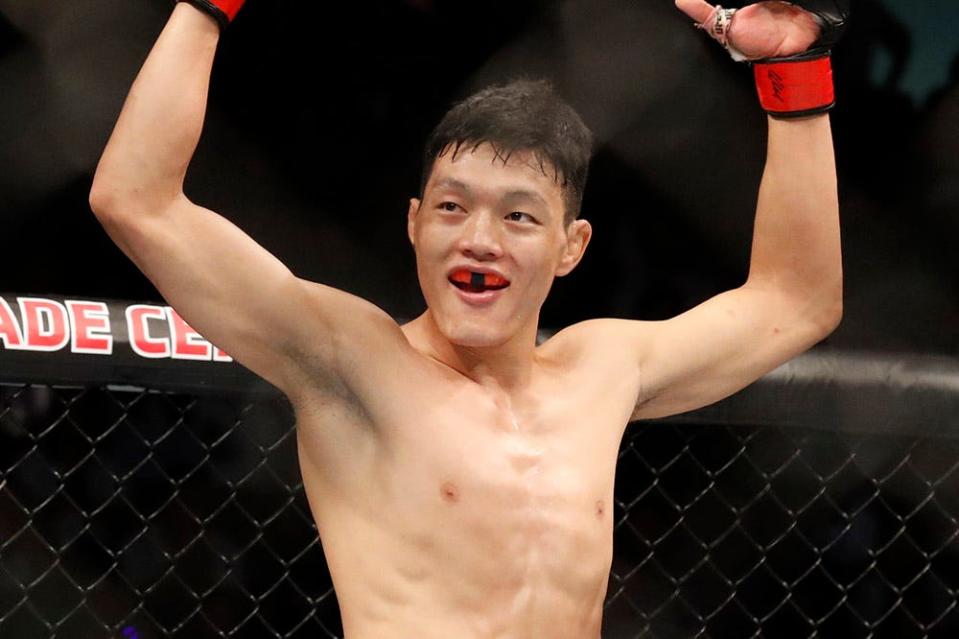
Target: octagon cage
151, 489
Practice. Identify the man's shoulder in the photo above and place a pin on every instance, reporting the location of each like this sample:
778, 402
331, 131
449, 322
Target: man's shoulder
602, 339
601, 332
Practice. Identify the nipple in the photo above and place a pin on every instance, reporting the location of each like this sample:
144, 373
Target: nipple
449, 492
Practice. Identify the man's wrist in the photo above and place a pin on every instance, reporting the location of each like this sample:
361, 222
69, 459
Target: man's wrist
222, 11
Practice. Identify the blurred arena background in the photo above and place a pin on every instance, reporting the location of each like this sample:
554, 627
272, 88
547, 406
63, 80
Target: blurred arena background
318, 112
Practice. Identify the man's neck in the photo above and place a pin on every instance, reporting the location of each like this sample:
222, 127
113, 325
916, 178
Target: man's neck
507, 367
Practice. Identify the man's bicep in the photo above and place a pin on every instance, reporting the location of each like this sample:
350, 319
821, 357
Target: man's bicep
717, 348
226, 286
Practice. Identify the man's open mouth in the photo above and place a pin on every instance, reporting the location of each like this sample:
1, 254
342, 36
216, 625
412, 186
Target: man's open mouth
473, 282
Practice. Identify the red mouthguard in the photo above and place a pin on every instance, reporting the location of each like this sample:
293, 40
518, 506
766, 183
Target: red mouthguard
478, 280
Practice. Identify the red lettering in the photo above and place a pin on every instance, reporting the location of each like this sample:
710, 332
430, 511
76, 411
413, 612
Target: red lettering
44, 324
220, 356
9, 329
142, 343
187, 343
90, 327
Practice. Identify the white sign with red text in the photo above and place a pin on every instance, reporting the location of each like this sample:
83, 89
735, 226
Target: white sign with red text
48, 325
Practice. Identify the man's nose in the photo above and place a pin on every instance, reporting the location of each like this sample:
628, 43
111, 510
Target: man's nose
480, 238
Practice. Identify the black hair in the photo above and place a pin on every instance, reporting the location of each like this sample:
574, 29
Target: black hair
523, 115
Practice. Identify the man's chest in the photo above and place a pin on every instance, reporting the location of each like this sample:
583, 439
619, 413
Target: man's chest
465, 453
441, 443
469, 478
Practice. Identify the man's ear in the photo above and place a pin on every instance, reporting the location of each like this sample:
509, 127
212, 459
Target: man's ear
411, 219
578, 234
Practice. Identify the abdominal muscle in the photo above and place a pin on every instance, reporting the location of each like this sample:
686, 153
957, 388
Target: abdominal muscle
467, 528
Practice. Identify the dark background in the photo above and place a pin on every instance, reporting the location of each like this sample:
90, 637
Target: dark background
318, 113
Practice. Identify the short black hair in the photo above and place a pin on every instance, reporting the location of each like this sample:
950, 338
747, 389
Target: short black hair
523, 115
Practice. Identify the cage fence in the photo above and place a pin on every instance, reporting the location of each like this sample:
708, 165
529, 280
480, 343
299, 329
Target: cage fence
820, 502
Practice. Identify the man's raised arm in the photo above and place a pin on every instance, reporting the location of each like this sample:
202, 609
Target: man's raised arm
793, 295
224, 284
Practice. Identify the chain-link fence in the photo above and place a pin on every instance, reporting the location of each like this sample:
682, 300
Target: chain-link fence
128, 513
167, 514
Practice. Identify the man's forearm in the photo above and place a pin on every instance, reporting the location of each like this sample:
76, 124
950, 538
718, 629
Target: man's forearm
796, 244
157, 132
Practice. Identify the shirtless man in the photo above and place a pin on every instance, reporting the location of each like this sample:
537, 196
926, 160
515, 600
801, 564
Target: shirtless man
461, 476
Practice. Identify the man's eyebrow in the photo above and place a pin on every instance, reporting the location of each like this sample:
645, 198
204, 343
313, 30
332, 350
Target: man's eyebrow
524, 194
452, 183
512, 194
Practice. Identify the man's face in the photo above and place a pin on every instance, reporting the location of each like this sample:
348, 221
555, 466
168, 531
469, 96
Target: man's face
489, 238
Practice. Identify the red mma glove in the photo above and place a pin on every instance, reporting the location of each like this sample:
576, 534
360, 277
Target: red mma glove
222, 10
788, 45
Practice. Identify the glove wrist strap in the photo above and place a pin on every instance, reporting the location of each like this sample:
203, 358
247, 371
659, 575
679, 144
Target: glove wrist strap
795, 87
223, 11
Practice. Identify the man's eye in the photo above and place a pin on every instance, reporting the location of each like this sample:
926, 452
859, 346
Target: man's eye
519, 216
450, 207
